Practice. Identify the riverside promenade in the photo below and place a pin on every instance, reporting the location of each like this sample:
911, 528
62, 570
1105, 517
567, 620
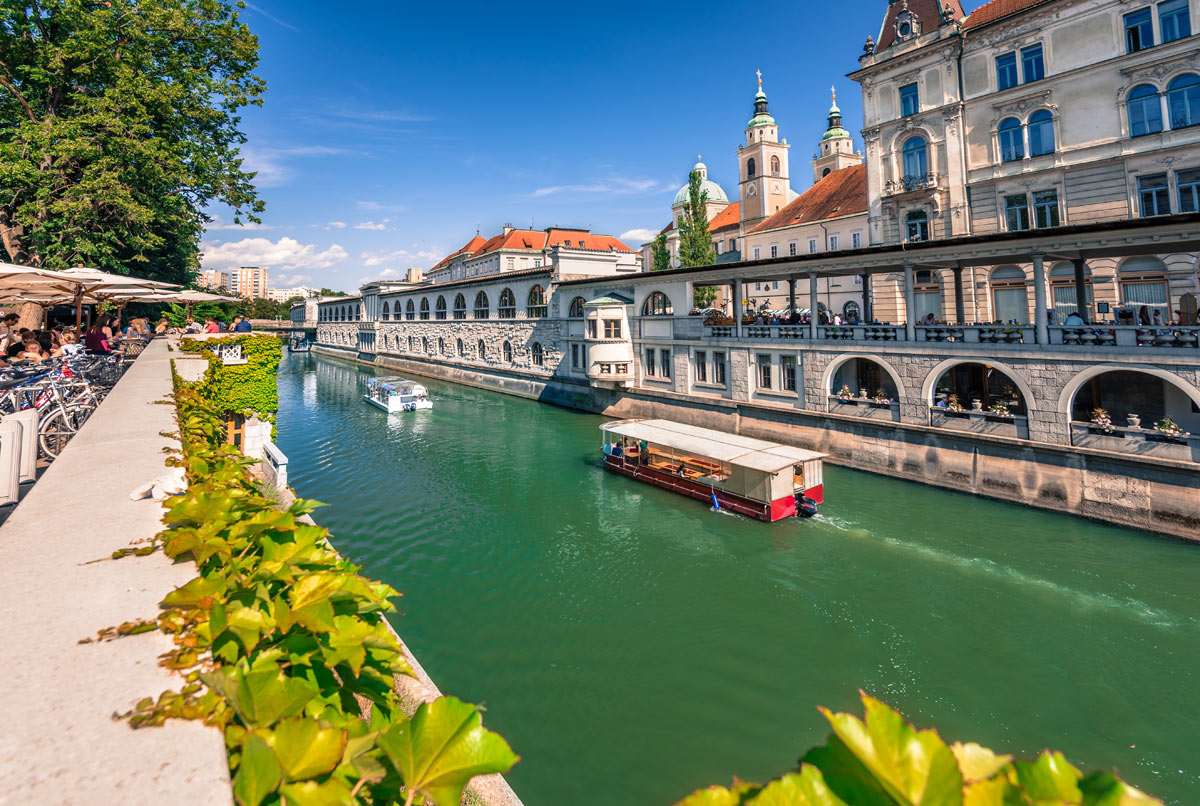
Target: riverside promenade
60, 744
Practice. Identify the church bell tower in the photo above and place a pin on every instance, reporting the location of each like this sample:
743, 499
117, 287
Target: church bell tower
836, 149
762, 165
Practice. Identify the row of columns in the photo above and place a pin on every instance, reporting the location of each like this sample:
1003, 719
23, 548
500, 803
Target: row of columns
1040, 319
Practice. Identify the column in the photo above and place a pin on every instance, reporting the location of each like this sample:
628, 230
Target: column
867, 313
959, 308
1081, 289
792, 293
812, 305
910, 303
737, 308
1039, 298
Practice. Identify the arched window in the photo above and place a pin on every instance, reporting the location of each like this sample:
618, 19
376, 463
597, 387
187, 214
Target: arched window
536, 307
410, 311
1062, 288
1145, 111
1144, 285
424, 308
825, 172
917, 225
482, 348
386, 311
916, 158
441, 346
358, 312
462, 352
425, 344
576, 309
538, 356
1010, 300
481, 306
1041, 133
750, 168
440, 308
982, 382
657, 304
927, 295
1012, 140
508, 352
774, 166
412, 344
1183, 101
506, 308
460, 306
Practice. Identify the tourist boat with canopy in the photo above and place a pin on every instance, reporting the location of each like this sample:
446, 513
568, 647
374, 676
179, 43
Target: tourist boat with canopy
393, 393
753, 477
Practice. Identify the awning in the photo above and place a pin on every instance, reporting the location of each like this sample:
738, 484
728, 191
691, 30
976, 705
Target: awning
756, 454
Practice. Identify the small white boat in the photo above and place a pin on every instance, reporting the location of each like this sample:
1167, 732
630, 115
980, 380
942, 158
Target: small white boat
393, 393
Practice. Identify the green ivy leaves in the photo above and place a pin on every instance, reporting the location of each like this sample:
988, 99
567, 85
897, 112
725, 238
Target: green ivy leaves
882, 760
280, 640
442, 747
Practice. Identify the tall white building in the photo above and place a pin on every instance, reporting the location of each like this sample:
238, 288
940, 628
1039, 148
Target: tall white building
249, 282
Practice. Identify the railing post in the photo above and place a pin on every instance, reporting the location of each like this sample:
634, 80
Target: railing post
910, 302
812, 306
1039, 298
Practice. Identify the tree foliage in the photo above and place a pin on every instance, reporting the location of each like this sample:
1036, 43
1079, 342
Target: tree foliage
118, 126
695, 244
660, 256
882, 760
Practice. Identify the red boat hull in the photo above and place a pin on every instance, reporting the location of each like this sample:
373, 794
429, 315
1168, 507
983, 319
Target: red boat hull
776, 510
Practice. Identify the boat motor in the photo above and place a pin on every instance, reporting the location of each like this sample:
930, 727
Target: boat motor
805, 506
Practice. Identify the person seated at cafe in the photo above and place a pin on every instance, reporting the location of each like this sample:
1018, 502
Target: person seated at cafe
1073, 319
14, 349
71, 345
1143, 315
928, 319
211, 326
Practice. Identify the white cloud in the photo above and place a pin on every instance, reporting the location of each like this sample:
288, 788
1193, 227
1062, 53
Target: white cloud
398, 256
271, 165
290, 280
286, 254
381, 207
219, 223
616, 186
634, 237
371, 225
336, 225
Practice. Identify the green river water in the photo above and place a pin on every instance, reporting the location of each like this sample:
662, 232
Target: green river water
633, 645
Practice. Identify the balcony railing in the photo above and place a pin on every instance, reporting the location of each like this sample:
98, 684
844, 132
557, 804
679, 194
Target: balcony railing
909, 183
1137, 441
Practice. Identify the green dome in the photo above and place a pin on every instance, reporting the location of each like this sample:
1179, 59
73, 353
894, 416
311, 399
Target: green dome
835, 133
761, 120
715, 193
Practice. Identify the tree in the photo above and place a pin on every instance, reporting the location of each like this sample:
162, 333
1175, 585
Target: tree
118, 127
703, 295
660, 256
695, 244
329, 292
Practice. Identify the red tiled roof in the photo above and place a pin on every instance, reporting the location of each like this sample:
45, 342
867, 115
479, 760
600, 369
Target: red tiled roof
998, 9
841, 193
468, 249
929, 12
729, 217
538, 239
587, 239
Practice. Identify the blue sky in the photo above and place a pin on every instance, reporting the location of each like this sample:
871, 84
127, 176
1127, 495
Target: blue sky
391, 131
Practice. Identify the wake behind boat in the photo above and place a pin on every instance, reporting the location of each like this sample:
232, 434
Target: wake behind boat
393, 393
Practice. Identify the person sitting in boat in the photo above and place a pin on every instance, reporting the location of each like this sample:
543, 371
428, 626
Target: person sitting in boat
618, 449
679, 470
643, 453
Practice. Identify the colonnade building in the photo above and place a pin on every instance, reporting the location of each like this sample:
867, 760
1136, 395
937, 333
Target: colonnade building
1000, 394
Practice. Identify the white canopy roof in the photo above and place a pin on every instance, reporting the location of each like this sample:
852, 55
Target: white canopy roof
756, 454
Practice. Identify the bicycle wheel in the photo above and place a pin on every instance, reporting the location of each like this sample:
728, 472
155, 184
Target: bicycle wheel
58, 427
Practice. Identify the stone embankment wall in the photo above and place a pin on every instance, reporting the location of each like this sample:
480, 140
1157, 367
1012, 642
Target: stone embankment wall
1149, 493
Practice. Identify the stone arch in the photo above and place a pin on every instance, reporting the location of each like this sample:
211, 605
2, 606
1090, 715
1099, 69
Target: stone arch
927, 387
1066, 398
833, 366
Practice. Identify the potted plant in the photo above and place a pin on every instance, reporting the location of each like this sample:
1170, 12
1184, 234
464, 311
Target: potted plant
1171, 428
953, 404
1101, 422
844, 393
881, 399
998, 409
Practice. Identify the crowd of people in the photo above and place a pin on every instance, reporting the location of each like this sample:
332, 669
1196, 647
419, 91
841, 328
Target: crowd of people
239, 324
22, 344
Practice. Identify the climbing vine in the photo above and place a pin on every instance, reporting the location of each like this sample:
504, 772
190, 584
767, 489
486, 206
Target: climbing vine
247, 388
283, 645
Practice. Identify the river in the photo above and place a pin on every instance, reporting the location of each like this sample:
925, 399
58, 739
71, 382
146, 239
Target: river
633, 645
